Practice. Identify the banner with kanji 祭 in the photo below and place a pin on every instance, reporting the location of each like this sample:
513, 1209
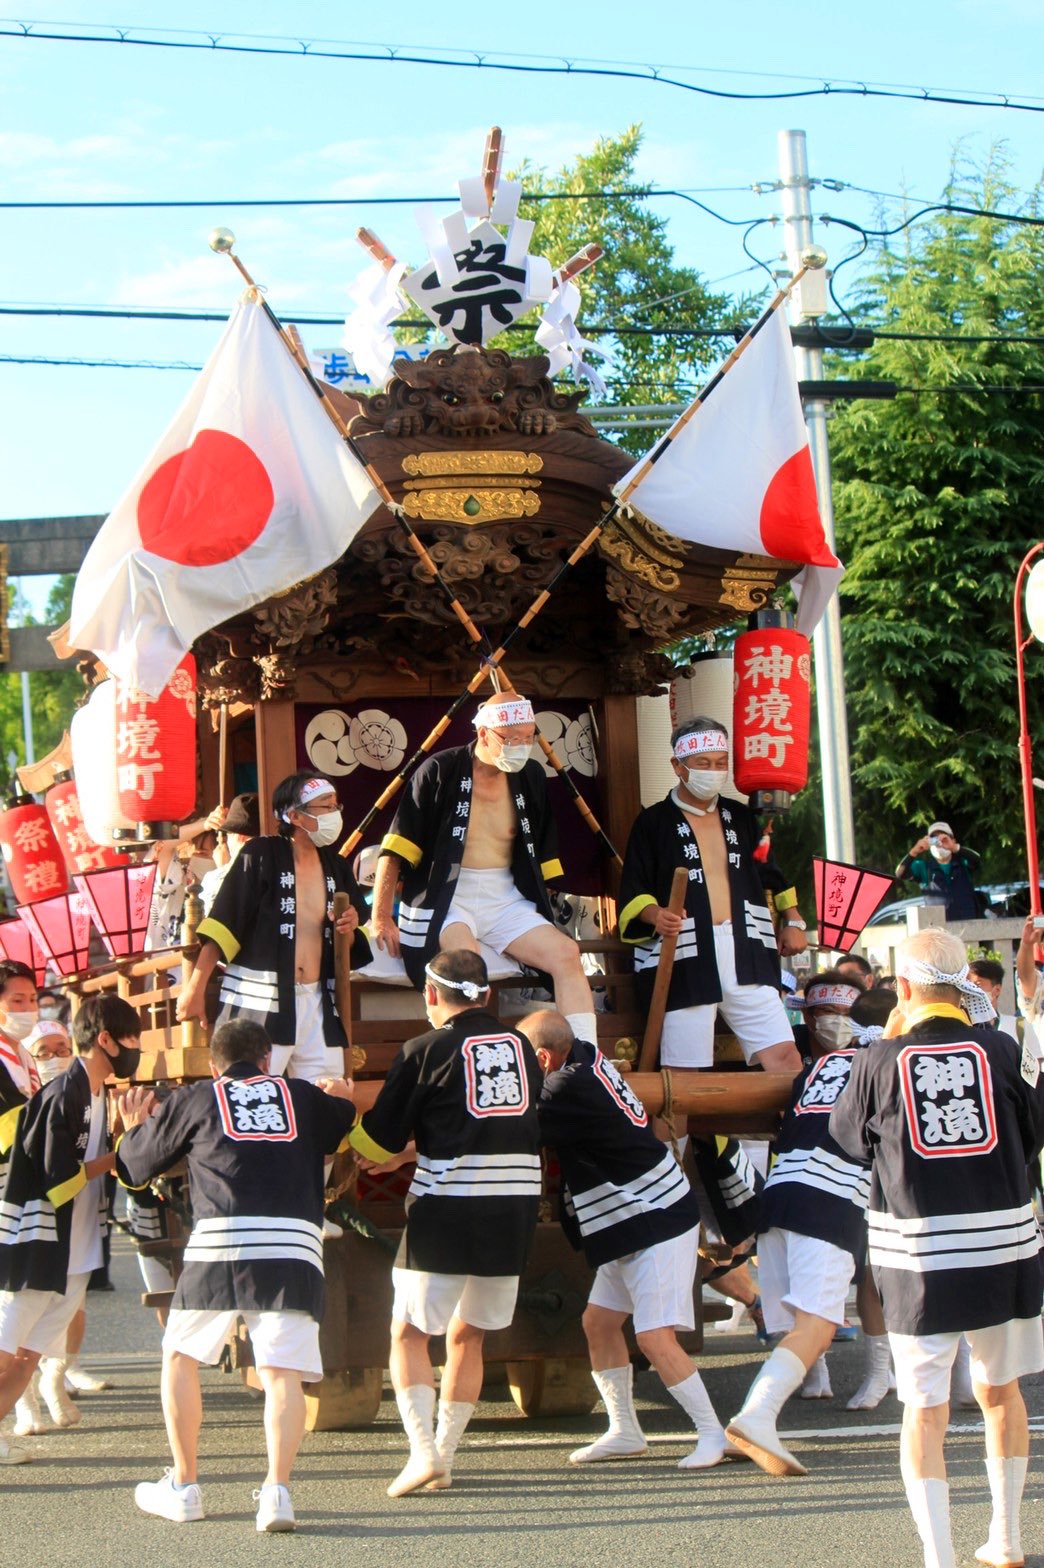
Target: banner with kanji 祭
846, 898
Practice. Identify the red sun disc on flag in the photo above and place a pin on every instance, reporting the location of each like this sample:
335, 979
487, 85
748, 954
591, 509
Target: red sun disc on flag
207, 504
790, 525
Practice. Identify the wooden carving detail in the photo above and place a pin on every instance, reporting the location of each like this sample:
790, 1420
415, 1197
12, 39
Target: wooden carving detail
629, 672
645, 609
471, 395
223, 675
303, 612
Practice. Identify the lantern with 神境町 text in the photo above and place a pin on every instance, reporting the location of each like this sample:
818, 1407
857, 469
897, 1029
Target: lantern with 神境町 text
156, 750
66, 816
31, 852
771, 709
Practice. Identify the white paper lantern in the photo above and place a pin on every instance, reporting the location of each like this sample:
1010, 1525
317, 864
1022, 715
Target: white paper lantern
1035, 601
93, 736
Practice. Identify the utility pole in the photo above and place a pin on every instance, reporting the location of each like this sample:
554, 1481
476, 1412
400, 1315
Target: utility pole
826, 641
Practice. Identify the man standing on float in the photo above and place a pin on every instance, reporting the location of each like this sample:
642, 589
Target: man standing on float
727, 954
474, 844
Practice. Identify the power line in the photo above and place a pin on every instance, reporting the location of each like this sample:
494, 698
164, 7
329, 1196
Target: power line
388, 54
643, 193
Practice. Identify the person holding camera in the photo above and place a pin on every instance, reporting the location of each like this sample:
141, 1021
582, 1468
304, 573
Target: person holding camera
945, 870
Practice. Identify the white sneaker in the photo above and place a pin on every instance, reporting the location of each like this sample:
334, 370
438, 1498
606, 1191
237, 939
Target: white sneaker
77, 1381
11, 1454
179, 1504
275, 1512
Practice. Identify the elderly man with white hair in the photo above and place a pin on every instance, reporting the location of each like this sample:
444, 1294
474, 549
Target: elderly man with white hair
950, 1114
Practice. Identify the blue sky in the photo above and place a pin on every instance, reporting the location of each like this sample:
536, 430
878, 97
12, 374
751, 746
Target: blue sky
86, 120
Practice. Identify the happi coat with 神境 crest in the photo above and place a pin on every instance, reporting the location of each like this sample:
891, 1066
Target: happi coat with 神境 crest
428, 835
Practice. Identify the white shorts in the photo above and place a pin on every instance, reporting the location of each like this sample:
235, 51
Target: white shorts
754, 1013
999, 1355
310, 1058
801, 1274
280, 1339
429, 1301
492, 908
39, 1319
654, 1285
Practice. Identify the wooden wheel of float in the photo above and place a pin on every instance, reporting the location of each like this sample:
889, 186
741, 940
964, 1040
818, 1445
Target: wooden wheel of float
553, 1386
342, 1402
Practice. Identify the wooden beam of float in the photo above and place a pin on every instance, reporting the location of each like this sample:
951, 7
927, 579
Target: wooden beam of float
222, 242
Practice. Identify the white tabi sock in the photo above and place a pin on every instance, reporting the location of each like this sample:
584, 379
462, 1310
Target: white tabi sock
417, 1409
874, 1386
781, 1374
929, 1501
1007, 1479
625, 1438
584, 1026
692, 1395
816, 1383
454, 1415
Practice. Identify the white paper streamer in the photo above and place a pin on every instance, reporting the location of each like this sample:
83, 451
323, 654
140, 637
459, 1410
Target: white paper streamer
367, 329
560, 338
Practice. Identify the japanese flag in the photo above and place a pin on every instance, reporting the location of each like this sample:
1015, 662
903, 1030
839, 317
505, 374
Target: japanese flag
250, 490
738, 474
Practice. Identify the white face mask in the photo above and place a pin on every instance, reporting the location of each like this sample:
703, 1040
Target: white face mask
50, 1067
512, 759
199, 865
18, 1025
834, 1030
327, 830
942, 855
704, 783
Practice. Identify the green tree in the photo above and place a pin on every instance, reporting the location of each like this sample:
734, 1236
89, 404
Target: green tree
53, 695
636, 283
938, 496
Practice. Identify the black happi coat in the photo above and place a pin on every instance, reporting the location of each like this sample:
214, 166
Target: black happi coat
253, 921
44, 1175
950, 1116
12, 1098
623, 1190
732, 1186
255, 1146
467, 1093
814, 1187
428, 835
660, 840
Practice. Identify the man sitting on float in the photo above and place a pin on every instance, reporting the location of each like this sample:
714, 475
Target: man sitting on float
474, 843
727, 954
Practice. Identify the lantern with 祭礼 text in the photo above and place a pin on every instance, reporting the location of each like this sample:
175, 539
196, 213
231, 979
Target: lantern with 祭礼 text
156, 751
66, 817
31, 852
771, 710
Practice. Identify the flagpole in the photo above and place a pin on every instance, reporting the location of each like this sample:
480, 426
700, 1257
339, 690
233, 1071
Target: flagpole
222, 241
494, 660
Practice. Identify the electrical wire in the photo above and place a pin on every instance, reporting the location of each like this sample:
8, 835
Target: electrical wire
387, 54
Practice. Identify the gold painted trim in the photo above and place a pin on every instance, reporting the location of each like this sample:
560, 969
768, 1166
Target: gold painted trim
484, 505
427, 463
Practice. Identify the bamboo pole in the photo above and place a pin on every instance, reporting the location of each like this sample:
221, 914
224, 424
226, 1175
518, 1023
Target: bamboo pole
665, 968
343, 976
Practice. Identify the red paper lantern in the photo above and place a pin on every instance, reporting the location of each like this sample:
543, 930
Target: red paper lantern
119, 901
17, 944
846, 897
66, 817
62, 927
31, 852
771, 708
156, 748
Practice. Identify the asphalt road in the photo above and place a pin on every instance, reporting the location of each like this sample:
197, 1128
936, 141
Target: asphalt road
515, 1502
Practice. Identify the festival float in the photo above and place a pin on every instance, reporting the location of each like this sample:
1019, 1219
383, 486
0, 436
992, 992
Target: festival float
496, 538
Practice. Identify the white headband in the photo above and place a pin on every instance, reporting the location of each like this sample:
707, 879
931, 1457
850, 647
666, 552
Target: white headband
470, 989
866, 1034
308, 792
502, 715
698, 741
978, 1006
827, 995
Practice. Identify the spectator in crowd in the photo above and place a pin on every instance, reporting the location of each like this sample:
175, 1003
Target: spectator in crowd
242, 823
945, 870
855, 965
988, 975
